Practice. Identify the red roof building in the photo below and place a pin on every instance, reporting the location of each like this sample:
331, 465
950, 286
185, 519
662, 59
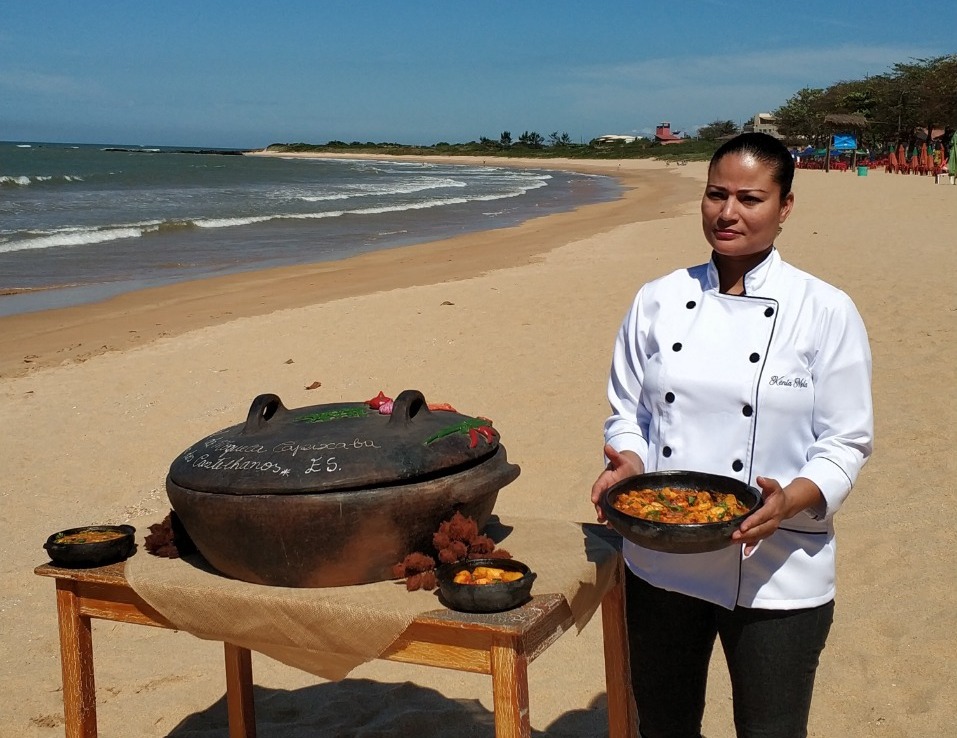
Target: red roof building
663, 134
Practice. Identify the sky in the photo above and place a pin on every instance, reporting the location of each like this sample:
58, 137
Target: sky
244, 74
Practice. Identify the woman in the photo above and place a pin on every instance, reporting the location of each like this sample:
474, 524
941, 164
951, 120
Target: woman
750, 368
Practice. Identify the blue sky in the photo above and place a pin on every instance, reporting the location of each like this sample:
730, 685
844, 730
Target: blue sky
246, 74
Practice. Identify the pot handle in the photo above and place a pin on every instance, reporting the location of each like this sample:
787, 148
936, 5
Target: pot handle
260, 411
407, 405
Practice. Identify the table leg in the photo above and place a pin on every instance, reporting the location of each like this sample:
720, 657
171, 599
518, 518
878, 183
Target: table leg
622, 717
239, 692
509, 667
76, 661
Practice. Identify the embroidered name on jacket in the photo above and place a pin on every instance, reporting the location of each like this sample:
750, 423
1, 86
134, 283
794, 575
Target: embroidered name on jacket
796, 382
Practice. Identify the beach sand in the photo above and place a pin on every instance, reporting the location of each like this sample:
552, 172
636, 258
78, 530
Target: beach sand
516, 325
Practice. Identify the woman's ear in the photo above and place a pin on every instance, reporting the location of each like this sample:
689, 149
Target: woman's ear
786, 207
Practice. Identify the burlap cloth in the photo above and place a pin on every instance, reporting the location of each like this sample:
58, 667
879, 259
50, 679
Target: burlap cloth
330, 631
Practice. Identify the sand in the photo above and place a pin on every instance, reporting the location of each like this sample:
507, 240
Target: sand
516, 325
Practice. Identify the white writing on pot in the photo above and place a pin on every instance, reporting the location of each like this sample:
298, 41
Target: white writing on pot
294, 447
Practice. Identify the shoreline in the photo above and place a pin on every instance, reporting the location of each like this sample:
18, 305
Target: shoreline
54, 336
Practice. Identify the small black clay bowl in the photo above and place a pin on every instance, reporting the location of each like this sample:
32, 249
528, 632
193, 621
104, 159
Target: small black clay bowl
678, 537
493, 597
91, 545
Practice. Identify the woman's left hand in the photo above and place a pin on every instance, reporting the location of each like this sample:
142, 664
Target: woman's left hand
780, 503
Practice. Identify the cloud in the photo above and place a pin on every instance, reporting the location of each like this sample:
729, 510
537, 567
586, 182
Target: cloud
806, 65
686, 89
46, 85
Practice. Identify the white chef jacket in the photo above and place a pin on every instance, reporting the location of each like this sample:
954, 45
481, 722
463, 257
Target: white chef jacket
775, 382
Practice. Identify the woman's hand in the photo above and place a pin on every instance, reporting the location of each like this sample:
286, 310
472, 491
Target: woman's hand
780, 503
620, 466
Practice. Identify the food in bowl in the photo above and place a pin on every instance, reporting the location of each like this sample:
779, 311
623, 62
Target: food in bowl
90, 535
486, 575
91, 545
688, 537
495, 595
680, 506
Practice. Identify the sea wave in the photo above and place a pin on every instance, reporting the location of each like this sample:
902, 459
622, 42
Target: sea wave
238, 221
22, 180
397, 208
386, 190
73, 237
85, 236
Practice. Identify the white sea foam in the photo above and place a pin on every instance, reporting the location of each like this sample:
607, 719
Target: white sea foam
233, 222
23, 180
86, 236
422, 205
75, 237
385, 190
397, 208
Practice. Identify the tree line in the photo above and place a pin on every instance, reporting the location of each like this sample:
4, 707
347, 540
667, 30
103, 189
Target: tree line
921, 94
918, 95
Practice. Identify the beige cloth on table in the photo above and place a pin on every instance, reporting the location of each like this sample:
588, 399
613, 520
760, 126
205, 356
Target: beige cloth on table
330, 631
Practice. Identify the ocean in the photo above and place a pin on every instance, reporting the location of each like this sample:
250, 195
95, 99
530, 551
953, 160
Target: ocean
80, 223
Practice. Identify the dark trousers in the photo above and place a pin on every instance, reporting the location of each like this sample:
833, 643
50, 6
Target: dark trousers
772, 656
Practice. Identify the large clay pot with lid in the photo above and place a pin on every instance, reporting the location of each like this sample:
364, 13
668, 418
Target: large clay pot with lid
337, 494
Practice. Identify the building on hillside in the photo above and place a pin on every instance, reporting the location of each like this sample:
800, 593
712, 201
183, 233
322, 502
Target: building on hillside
616, 138
763, 123
664, 135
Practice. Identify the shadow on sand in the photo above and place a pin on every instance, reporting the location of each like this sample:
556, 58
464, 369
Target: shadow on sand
361, 708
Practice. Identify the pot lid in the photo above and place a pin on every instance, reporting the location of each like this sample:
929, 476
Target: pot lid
335, 447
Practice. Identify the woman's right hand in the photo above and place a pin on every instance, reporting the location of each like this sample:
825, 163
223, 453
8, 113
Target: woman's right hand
620, 465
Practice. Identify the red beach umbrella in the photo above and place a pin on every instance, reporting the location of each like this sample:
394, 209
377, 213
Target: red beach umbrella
902, 157
892, 162
952, 156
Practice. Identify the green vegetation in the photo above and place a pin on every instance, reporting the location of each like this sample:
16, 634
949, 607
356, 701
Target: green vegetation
717, 129
529, 145
921, 94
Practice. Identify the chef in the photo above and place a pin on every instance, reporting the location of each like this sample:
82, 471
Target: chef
749, 368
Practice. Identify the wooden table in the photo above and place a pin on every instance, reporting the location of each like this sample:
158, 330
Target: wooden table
500, 644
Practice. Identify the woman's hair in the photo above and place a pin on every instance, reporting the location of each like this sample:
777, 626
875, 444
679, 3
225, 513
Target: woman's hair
766, 149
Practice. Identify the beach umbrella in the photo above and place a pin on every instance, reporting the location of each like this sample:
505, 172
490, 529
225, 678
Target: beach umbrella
892, 162
952, 156
925, 162
901, 158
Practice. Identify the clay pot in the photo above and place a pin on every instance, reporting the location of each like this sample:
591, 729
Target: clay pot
333, 495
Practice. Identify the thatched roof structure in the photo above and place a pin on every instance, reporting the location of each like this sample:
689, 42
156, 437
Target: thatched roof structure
843, 120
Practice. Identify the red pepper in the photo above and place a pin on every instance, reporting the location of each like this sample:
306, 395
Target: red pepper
441, 406
486, 432
473, 437
378, 401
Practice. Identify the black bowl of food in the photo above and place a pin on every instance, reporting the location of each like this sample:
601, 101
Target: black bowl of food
485, 585
91, 545
679, 511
